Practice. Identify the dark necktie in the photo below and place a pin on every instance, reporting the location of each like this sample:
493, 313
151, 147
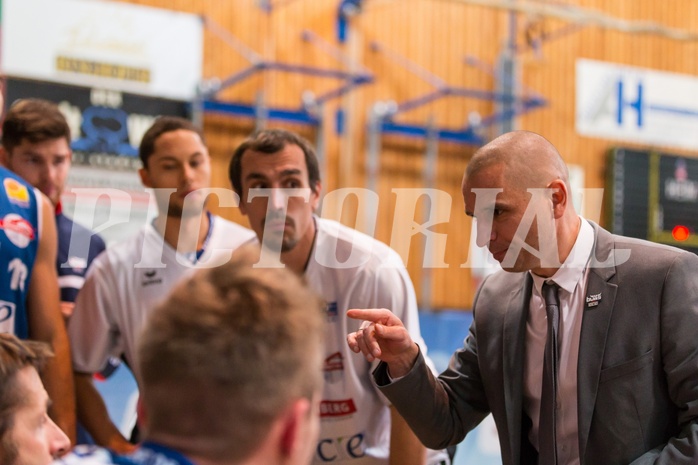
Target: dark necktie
547, 441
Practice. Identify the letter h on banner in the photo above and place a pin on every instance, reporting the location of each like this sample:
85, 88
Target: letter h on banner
636, 105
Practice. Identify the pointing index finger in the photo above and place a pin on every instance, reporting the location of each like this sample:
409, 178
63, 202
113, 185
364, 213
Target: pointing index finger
375, 315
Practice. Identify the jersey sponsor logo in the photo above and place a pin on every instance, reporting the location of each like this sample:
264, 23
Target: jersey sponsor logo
18, 274
331, 312
337, 408
17, 192
334, 368
7, 316
18, 230
77, 263
151, 277
341, 448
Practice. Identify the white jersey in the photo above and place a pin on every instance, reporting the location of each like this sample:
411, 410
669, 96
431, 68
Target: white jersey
352, 270
127, 281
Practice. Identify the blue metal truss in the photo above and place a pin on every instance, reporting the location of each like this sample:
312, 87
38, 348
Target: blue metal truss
468, 134
305, 113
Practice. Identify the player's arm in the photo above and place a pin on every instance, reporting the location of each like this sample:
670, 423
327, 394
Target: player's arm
93, 415
405, 448
46, 324
91, 332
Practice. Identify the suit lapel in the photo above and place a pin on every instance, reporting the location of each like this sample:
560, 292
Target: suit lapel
513, 341
595, 322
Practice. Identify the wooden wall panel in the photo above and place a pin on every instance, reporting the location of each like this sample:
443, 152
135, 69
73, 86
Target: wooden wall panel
437, 36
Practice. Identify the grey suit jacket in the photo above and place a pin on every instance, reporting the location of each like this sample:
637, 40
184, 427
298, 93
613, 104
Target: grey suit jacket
637, 370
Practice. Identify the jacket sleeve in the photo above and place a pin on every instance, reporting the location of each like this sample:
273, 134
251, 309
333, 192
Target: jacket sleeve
440, 410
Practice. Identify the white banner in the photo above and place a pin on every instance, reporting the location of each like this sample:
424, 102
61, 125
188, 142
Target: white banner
636, 104
103, 44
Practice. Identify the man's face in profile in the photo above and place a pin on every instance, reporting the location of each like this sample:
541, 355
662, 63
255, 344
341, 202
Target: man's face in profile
500, 209
33, 439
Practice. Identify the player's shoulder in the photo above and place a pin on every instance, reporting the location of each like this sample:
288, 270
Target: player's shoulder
69, 228
5, 173
345, 239
17, 192
90, 455
222, 226
121, 254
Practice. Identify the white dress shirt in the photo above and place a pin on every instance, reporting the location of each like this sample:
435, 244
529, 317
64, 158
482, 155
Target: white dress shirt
572, 279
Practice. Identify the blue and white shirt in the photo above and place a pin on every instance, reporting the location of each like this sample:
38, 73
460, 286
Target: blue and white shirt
149, 453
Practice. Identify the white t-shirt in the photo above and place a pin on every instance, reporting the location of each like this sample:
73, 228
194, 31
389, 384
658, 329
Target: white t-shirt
352, 270
127, 281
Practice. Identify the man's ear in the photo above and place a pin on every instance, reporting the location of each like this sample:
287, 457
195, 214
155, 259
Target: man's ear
4, 157
315, 195
145, 177
294, 427
242, 205
560, 197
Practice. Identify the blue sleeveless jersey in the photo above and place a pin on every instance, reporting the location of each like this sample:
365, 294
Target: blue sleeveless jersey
19, 240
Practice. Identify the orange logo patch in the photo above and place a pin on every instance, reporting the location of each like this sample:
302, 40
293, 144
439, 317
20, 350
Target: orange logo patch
16, 191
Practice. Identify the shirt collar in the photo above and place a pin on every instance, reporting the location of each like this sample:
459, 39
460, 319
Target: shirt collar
572, 270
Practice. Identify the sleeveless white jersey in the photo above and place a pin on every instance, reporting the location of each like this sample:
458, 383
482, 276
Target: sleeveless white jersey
127, 281
348, 270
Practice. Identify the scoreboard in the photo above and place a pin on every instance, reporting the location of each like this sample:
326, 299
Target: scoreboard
654, 196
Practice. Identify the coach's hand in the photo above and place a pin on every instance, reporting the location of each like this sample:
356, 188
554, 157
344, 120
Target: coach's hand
383, 336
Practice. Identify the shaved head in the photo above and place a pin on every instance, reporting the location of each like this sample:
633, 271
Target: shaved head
529, 160
517, 187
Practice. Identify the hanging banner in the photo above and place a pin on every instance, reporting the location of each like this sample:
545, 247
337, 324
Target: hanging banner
104, 44
106, 128
103, 123
636, 104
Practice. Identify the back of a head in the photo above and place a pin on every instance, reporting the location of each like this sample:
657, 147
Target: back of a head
35, 120
227, 351
15, 355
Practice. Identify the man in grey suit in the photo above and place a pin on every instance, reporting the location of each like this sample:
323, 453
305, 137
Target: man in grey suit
626, 389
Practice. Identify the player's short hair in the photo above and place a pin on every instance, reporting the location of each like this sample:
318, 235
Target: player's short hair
35, 120
226, 352
271, 141
14, 356
163, 125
